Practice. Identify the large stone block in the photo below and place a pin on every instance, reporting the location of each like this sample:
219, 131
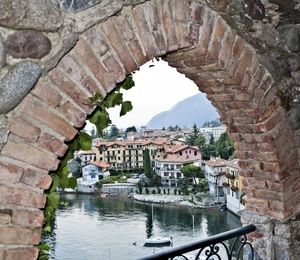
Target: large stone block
28, 44
31, 14
15, 85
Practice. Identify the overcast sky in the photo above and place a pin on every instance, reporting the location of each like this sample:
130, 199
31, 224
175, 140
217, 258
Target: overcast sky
156, 89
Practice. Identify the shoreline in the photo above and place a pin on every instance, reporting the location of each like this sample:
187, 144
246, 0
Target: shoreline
176, 200
159, 199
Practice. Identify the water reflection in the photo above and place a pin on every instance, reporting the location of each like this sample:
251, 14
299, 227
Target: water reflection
103, 228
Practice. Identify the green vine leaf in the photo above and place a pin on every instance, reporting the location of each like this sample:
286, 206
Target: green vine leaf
52, 200
64, 181
96, 99
47, 229
128, 83
114, 99
126, 107
55, 183
101, 120
44, 246
85, 141
72, 182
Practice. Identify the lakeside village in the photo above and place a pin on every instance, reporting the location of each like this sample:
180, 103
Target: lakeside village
162, 166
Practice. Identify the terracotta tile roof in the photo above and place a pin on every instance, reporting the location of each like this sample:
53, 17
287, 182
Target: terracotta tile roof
100, 164
178, 148
129, 142
216, 162
176, 158
233, 163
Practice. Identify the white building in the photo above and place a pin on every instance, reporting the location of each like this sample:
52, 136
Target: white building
86, 156
168, 166
91, 174
232, 187
215, 169
215, 132
218, 130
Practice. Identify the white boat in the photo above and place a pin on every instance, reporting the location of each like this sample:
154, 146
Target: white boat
158, 241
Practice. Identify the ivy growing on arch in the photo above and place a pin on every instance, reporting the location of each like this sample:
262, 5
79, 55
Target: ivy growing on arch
82, 141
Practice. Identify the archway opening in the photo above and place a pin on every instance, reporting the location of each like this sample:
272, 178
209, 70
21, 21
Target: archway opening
201, 45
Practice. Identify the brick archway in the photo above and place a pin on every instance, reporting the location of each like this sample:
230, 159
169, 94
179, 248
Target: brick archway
200, 44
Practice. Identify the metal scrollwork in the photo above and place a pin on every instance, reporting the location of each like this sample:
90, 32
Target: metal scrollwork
213, 248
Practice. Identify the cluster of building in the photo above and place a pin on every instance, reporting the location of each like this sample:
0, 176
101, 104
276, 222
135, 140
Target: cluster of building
167, 157
225, 182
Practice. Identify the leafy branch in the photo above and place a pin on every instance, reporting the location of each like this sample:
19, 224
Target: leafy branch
82, 141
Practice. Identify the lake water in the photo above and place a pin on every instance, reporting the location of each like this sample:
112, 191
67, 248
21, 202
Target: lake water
95, 228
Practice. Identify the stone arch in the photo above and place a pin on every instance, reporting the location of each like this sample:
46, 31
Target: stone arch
200, 44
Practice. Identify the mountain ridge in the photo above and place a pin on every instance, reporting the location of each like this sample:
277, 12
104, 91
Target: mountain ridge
195, 109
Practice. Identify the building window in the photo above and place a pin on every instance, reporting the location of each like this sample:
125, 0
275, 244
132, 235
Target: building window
180, 153
195, 153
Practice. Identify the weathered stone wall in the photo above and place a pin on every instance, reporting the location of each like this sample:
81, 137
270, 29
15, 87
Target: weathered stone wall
55, 55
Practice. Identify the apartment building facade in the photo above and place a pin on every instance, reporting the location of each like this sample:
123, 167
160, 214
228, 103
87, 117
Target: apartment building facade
123, 155
168, 166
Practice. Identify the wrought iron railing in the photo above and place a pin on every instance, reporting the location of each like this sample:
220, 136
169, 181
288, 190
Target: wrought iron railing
212, 248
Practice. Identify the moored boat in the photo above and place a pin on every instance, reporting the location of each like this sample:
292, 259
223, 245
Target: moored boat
158, 241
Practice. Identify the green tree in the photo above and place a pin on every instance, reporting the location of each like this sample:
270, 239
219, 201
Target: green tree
114, 131
191, 171
93, 133
200, 141
224, 146
147, 164
131, 129
191, 139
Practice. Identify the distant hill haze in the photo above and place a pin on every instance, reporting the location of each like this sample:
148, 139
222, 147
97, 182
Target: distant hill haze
195, 109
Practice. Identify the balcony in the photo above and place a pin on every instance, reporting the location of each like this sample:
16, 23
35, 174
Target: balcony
230, 176
213, 247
